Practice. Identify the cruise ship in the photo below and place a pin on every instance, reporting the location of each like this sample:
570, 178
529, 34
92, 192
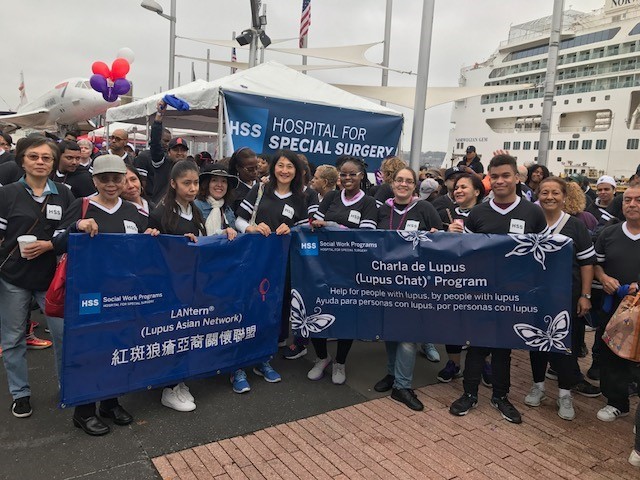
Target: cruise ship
595, 126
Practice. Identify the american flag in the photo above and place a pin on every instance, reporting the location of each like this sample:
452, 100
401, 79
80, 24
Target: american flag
305, 22
234, 58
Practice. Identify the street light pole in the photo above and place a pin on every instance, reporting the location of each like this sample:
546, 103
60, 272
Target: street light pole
155, 7
172, 44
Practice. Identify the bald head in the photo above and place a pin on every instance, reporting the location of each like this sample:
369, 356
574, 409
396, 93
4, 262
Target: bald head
117, 141
522, 173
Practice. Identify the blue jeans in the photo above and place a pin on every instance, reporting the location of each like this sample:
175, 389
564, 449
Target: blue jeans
401, 358
15, 303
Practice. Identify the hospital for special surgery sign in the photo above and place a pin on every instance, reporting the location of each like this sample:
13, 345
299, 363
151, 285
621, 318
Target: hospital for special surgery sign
320, 132
506, 291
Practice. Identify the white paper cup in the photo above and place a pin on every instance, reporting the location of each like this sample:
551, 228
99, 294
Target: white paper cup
24, 240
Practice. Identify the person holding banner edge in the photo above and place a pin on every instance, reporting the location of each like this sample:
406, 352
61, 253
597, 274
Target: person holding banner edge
348, 208
34, 205
106, 213
404, 212
274, 207
551, 194
505, 213
178, 215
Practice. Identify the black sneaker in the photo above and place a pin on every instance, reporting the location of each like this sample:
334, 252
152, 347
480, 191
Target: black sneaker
594, 373
21, 407
462, 405
408, 397
585, 389
508, 411
449, 372
385, 384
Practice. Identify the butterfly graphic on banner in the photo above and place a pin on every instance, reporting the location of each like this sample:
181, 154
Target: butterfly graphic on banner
415, 237
557, 330
538, 245
314, 323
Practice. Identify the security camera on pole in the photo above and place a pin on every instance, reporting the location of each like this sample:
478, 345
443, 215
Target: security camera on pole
251, 35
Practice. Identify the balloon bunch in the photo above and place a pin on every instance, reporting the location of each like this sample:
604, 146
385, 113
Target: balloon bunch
112, 82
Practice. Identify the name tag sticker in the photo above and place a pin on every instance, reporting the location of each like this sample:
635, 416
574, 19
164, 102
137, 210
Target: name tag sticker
412, 225
516, 226
288, 211
130, 227
54, 212
354, 217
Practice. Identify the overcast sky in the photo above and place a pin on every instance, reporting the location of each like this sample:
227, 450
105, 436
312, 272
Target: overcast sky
52, 41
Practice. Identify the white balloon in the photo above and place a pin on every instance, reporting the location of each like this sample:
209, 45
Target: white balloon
127, 54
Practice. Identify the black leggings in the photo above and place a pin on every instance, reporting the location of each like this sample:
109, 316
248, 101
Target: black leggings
320, 345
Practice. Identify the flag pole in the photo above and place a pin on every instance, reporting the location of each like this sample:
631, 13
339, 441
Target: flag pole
387, 46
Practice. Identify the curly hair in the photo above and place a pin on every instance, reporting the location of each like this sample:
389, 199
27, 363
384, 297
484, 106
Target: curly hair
575, 201
390, 166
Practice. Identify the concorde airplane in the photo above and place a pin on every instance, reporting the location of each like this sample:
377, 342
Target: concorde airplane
70, 104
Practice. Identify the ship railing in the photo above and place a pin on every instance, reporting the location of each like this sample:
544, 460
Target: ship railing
576, 128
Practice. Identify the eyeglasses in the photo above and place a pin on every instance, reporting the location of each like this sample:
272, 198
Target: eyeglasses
349, 175
405, 181
34, 157
114, 138
250, 169
105, 178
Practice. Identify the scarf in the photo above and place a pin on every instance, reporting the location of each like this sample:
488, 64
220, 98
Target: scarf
214, 222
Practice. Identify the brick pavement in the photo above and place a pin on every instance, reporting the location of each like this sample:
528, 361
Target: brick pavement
383, 439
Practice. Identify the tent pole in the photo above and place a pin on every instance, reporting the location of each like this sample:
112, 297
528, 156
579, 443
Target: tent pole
220, 125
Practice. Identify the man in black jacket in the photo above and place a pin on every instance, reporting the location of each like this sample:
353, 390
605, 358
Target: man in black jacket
471, 162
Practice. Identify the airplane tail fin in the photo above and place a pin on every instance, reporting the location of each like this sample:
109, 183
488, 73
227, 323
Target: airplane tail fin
23, 92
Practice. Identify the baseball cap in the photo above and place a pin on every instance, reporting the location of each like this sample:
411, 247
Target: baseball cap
178, 142
452, 171
109, 164
427, 187
606, 179
471, 148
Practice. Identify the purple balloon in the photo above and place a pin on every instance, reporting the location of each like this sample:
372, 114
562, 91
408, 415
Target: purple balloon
121, 86
110, 96
98, 83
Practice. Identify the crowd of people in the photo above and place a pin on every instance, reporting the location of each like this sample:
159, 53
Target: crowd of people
51, 189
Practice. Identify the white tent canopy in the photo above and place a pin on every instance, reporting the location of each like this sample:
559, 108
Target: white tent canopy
269, 79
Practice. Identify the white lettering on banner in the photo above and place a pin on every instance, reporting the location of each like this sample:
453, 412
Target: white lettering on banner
304, 127
139, 353
245, 129
323, 147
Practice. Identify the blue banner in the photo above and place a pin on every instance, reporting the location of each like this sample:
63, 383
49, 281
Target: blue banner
143, 312
510, 291
320, 132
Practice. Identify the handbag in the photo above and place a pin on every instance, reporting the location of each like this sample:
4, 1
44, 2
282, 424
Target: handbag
622, 334
54, 299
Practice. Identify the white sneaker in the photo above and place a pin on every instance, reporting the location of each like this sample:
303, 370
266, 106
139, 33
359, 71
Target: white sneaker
609, 413
174, 398
535, 396
317, 372
338, 375
565, 408
634, 458
185, 391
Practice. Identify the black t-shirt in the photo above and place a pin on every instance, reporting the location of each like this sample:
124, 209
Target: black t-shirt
600, 213
10, 172
618, 253
383, 193
520, 217
443, 202
80, 182
185, 224
475, 165
239, 194
274, 210
583, 251
418, 215
359, 212
123, 218
143, 164
18, 212
614, 208
455, 212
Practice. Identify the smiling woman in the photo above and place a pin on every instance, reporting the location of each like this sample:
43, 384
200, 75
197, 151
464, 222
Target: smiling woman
33, 207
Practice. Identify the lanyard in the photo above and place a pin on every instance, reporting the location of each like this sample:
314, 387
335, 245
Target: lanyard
404, 215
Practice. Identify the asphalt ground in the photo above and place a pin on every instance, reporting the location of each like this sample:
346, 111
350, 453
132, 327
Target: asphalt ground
47, 446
